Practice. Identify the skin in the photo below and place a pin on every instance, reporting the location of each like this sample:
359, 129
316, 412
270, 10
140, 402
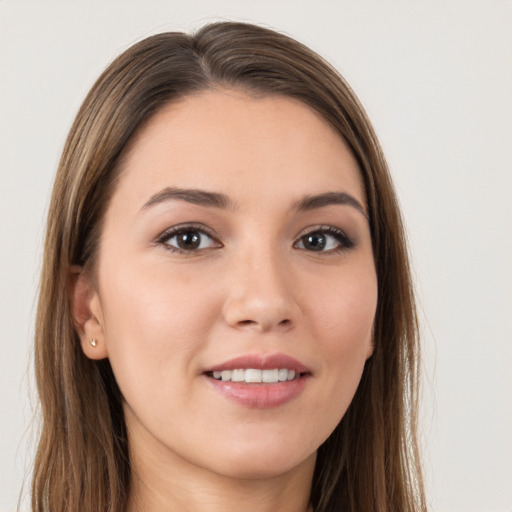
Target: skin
253, 287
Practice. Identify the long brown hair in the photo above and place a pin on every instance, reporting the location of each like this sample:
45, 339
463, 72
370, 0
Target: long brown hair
371, 460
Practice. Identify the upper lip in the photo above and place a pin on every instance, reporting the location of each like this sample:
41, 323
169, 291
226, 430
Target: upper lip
262, 362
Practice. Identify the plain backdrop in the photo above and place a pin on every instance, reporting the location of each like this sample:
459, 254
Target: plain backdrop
436, 80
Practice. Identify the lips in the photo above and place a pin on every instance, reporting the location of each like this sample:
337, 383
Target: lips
262, 362
259, 381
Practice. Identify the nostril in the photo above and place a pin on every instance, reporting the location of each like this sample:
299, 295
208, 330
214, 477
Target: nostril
286, 322
246, 322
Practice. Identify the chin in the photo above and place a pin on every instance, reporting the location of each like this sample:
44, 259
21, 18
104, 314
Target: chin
263, 463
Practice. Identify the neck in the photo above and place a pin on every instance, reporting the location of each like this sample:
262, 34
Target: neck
161, 484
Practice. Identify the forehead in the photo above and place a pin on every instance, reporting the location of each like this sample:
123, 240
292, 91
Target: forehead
227, 139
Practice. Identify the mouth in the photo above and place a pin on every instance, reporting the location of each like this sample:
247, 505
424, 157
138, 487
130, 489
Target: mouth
255, 375
259, 381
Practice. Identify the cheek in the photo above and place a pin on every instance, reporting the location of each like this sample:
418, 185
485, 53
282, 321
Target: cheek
345, 313
146, 299
154, 322
343, 330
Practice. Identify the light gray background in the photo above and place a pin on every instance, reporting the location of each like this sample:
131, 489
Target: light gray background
436, 79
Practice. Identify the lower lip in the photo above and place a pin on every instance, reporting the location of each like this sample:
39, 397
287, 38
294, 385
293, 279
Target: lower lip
260, 396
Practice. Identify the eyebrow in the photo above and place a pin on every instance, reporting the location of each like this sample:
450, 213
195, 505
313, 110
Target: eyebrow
222, 201
199, 197
330, 198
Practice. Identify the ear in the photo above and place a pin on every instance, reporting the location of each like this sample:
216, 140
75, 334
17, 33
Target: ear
86, 313
370, 349
371, 344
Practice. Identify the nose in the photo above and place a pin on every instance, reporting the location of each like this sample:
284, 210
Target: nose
261, 295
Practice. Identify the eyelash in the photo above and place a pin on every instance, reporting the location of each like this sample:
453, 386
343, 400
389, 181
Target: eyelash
167, 235
345, 242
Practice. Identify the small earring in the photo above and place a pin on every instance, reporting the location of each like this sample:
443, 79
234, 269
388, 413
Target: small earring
94, 342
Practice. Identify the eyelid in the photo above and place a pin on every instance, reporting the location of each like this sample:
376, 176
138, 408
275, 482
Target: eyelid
346, 242
169, 233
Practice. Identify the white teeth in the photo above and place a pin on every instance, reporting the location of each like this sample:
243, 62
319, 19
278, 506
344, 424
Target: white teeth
237, 375
270, 376
252, 375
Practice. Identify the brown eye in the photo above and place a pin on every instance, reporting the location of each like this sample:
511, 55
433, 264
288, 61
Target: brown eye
314, 241
328, 239
188, 240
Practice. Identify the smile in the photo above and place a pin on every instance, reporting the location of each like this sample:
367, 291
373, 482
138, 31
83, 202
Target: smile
254, 375
260, 381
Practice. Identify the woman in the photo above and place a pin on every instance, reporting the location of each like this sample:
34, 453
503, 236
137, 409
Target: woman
225, 316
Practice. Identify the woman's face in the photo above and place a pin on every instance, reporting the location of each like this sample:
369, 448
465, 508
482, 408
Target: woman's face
235, 250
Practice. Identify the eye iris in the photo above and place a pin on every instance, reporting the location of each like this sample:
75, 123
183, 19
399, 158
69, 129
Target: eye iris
189, 240
315, 241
